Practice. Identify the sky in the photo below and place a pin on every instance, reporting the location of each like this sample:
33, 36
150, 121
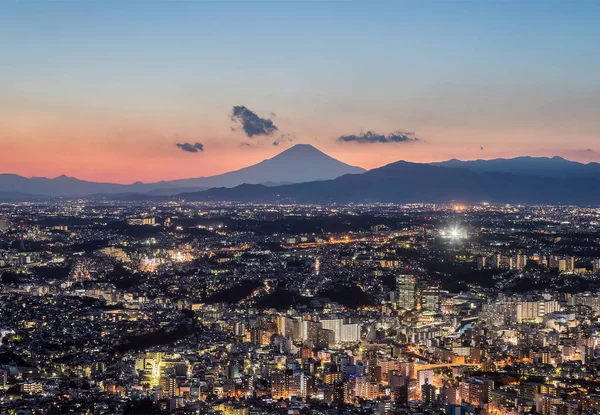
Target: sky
126, 91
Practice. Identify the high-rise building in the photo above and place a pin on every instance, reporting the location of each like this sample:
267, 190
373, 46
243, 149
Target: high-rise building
427, 393
570, 263
279, 383
339, 388
406, 289
496, 261
239, 328
343, 329
520, 261
285, 326
564, 264
431, 299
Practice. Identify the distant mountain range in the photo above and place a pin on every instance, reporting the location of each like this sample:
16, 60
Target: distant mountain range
304, 174
300, 163
556, 167
404, 182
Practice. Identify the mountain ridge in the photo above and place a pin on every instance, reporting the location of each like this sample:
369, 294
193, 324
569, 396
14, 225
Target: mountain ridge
318, 177
556, 166
405, 182
288, 166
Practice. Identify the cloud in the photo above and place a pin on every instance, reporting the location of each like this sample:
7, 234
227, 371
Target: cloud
191, 148
371, 137
251, 123
283, 138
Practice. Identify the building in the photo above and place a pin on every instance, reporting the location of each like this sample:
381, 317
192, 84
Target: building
520, 261
481, 262
535, 310
475, 390
496, 261
279, 385
31, 388
231, 409
141, 221
343, 329
285, 326
544, 403
427, 393
456, 410
431, 299
406, 289
291, 383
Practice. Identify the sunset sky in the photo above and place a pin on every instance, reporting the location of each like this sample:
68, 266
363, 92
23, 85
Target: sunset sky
106, 90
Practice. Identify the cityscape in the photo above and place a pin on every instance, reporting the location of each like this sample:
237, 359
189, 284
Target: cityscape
112, 307
300, 207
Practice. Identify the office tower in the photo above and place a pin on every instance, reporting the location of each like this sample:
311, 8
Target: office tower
431, 299
406, 286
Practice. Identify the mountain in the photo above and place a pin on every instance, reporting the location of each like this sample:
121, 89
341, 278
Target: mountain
61, 186
304, 174
404, 182
297, 164
555, 167
300, 163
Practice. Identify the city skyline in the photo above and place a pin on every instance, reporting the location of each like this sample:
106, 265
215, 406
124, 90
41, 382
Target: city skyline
333, 207
105, 91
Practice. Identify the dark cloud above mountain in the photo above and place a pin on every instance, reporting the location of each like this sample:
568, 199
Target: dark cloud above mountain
370, 137
283, 138
191, 148
251, 123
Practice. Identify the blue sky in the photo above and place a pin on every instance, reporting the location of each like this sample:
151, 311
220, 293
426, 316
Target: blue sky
98, 78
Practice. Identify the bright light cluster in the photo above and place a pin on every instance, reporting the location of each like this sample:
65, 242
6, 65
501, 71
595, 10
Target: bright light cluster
454, 233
